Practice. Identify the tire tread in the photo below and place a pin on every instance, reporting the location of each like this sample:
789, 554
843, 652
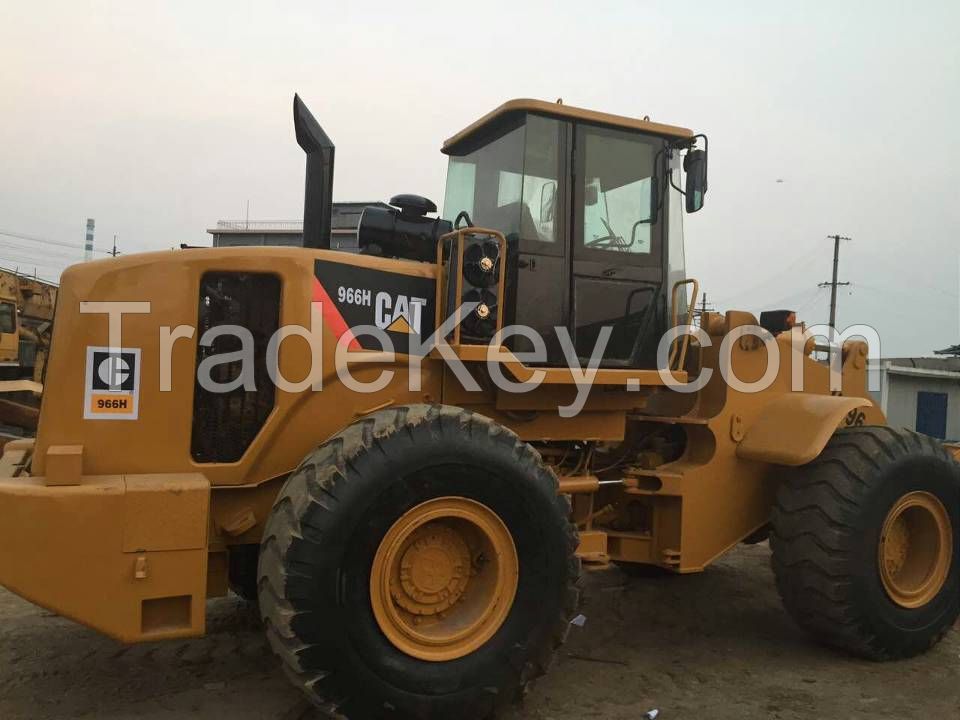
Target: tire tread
814, 531
312, 488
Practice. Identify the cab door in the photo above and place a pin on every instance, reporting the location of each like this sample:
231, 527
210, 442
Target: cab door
542, 263
618, 253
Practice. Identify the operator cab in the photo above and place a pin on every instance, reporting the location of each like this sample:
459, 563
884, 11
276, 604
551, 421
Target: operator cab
583, 200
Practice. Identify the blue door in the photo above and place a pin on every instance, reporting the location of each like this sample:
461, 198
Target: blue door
932, 414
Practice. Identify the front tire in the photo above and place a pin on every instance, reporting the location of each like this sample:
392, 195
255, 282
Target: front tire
419, 564
865, 543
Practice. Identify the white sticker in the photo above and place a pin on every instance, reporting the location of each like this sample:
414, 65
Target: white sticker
112, 384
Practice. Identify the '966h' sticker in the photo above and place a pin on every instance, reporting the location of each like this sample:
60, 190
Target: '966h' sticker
112, 384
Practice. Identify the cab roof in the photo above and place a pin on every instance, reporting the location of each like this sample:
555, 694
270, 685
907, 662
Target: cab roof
513, 108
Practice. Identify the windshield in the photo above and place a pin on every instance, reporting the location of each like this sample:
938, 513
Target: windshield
618, 175
510, 184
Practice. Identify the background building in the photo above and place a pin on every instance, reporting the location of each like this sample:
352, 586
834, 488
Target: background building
343, 229
922, 394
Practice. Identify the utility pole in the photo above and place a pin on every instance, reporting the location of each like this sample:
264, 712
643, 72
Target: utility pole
834, 283
114, 251
704, 307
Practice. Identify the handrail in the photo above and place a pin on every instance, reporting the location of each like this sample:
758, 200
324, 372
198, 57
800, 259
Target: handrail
674, 317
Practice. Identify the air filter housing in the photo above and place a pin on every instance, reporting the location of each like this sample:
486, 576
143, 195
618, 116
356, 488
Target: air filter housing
402, 231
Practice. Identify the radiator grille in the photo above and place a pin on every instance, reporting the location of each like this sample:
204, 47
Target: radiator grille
225, 423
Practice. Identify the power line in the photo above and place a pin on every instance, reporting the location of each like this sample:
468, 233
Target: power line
45, 241
810, 300
28, 249
704, 307
885, 294
796, 264
32, 263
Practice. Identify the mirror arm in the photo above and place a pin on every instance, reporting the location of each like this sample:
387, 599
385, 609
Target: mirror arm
656, 202
678, 146
674, 186
706, 152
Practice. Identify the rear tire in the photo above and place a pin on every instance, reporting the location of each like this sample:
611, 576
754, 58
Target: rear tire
834, 527
325, 537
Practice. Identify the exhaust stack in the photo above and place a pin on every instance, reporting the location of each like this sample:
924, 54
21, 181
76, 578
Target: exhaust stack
318, 184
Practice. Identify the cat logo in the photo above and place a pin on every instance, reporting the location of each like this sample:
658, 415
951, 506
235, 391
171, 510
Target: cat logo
402, 305
112, 384
400, 314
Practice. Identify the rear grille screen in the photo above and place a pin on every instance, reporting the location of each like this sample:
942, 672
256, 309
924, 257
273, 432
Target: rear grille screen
225, 423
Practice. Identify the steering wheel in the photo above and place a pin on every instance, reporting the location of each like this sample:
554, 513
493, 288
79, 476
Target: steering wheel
608, 241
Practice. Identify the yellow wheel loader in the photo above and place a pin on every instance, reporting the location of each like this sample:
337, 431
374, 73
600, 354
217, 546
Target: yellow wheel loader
403, 455
26, 309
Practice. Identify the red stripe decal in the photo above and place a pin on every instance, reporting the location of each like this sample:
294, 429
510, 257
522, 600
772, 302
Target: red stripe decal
331, 316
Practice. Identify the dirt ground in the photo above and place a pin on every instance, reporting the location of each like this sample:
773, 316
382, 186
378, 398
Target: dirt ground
716, 646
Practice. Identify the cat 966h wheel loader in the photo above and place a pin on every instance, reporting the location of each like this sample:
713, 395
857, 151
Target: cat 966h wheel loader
403, 455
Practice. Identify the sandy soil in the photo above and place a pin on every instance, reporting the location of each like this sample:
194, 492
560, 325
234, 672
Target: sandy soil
716, 646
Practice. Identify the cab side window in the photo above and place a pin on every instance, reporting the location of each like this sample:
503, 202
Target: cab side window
8, 317
617, 182
514, 184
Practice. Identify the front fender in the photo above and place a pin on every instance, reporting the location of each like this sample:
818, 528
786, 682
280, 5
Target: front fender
794, 428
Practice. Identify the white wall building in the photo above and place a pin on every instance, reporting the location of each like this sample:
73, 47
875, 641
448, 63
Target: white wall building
922, 394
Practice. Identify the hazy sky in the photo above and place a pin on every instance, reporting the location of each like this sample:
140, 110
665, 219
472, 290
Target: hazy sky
158, 119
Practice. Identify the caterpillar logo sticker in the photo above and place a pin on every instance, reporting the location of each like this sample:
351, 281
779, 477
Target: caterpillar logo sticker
403, 306
401, 313
112, 384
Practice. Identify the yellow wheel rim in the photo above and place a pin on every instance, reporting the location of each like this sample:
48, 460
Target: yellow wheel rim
916, 549
444, 579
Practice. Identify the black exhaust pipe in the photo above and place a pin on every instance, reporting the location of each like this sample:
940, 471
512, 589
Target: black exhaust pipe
318, 184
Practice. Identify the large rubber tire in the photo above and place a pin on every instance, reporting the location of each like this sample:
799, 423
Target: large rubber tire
826, 530
325, 529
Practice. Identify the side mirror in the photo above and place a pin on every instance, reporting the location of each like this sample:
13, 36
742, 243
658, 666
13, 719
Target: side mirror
695, 165
548, 197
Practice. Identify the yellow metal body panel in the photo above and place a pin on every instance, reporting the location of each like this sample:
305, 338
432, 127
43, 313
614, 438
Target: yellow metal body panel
64, 464
171, 280
181, 522
793, 429
125, 555
714, 496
